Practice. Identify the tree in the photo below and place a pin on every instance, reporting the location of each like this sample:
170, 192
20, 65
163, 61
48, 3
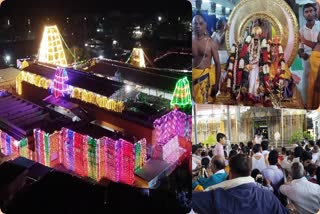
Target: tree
300, 135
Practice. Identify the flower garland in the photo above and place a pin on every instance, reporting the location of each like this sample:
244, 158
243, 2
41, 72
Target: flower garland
235, 68
254, 52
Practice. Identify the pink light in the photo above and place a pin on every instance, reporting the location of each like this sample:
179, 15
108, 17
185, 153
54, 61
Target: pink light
59, 86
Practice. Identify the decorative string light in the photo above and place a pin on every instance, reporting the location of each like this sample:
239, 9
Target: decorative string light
60, 88
51, 49
181, 95
126, 162
140, 154
137, 58
8, 144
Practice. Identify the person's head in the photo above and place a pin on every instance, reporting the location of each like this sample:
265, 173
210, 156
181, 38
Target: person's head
205, 162
241, 144
298, 151
297, 170
203, 153
256, 148
236, 147
232, 153
311, 143
311, 169
305, 158
307, 148
240, 166
194, 149
221, 138
221, 23
283, 150
245, 150
264, 145
256, 174
210, 153
199, 25
315, 149
250, 144
309, 12
288, 153
273, 157
217, 163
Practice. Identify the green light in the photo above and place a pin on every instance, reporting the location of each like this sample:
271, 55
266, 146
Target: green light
181, 94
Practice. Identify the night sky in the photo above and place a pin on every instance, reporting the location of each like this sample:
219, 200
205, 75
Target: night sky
64, 7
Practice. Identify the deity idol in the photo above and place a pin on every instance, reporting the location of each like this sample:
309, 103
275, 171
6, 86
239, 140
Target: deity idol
257, 71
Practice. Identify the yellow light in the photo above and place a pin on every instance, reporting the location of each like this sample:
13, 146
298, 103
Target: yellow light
51, 50
77, 93
138, 58
142, 62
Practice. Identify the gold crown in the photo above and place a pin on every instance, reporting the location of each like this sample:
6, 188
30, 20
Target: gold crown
256, 31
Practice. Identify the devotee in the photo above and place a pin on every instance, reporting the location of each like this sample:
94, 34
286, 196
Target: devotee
219, 37
305, 159
240, 194
315, 154
304, 195
258, 137
310, 52
258, 159
204, 168
218, 149
273, 173
264, 147
311, 176
231, 154
196, 159
256, 174
219, 174
205, 75
286, 162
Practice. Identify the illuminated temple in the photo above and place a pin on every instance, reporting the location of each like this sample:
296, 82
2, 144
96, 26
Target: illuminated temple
111, 120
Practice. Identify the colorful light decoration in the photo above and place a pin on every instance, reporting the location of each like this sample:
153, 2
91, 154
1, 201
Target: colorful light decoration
137, 58
112, 160
76, 93
60, 88
181, 94
167, 130
47, 147
169, 125
140, 154
86, 156
23, 150
8, 145
126, 162
51, 49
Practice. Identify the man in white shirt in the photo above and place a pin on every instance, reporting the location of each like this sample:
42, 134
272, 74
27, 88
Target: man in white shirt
309, 32
304, 195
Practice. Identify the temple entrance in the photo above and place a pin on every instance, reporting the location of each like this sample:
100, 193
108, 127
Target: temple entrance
260, 126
